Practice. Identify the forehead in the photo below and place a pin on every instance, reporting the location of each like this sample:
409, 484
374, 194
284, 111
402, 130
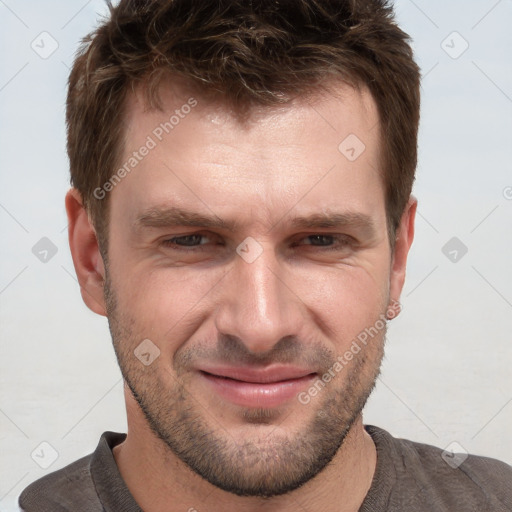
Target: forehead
336, 98
317, 151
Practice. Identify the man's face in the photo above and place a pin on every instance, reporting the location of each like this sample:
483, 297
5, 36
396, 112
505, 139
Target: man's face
251, 256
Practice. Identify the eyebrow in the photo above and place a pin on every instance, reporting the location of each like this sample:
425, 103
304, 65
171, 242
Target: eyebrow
164, 217
157, 217
359, 221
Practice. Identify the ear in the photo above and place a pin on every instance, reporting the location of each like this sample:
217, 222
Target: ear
404, 238
86, 255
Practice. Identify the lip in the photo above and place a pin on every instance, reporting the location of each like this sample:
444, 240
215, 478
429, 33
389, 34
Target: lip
249, 387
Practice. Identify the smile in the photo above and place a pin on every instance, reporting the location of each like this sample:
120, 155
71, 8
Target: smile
250, 388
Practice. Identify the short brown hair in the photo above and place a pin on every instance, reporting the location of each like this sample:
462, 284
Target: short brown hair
248, 52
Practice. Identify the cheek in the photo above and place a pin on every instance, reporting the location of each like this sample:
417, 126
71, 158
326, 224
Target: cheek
165, 304
345, 300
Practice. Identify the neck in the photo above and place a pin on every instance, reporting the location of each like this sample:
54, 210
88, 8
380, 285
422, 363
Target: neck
157, 478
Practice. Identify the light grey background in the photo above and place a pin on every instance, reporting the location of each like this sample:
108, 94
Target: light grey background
446, 377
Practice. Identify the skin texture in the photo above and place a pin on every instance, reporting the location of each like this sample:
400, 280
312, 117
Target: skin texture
302, 301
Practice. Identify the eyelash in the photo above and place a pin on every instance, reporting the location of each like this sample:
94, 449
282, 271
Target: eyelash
342, 240
171, 242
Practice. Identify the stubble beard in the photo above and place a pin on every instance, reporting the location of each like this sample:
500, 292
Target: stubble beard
272, 462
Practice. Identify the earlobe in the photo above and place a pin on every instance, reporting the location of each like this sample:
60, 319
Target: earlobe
86, 255
404, 238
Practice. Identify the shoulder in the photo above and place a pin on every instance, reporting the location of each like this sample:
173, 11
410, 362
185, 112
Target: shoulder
69, 488
82, 485
448, 481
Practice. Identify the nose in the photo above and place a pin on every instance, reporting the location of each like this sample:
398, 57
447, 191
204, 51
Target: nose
258, 305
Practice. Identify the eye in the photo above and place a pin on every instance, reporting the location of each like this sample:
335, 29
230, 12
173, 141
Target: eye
326, 241
191, 240
320, 240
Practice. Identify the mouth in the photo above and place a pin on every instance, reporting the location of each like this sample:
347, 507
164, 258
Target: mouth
265, 388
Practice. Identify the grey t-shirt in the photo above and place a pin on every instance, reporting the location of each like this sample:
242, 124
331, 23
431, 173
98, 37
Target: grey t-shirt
409, 476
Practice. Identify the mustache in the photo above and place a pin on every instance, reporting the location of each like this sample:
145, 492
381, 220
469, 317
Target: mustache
229, 349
